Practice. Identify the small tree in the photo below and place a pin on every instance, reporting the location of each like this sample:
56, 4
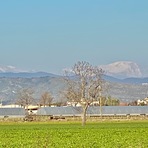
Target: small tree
112, 101
25, 97
60, 103
84, 88
46, 99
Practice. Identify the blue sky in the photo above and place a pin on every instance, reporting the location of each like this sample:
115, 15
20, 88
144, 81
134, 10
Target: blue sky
49, 35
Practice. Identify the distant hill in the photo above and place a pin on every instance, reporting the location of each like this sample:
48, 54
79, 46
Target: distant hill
126, 80
26, 74
122, 69
13, 72
9, 88
13, 80
45, 74
136, 80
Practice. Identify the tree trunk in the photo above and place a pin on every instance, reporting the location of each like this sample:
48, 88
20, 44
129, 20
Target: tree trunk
84, 115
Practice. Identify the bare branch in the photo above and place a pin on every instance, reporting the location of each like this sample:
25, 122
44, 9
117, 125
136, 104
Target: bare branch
46, 99
25, 97
85, 87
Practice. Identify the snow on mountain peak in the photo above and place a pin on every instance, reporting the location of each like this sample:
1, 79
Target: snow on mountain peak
10, 68
122, 69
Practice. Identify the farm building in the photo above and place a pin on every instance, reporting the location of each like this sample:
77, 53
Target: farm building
12, 112
93, 110
119, 110
60, 111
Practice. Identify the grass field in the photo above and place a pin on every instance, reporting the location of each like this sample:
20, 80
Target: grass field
73, 135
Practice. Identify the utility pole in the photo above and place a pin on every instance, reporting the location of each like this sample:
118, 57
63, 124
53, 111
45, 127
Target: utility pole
1, 103
100, 101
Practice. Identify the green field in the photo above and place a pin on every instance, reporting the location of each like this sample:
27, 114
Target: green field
73, 135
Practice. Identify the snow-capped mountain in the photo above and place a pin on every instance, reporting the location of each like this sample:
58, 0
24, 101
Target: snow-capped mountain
122, 69
13, 72
4, 69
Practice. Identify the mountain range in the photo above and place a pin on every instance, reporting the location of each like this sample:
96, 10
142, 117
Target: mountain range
26, 74
10, 87
122, 84
120, 69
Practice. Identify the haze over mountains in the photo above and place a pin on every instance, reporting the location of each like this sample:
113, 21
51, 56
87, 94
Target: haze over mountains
124, 79
13, 72
120, 69
120, 72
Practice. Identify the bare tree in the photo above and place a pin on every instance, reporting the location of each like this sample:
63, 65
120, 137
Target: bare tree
84, 88
46, 99
25, 97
